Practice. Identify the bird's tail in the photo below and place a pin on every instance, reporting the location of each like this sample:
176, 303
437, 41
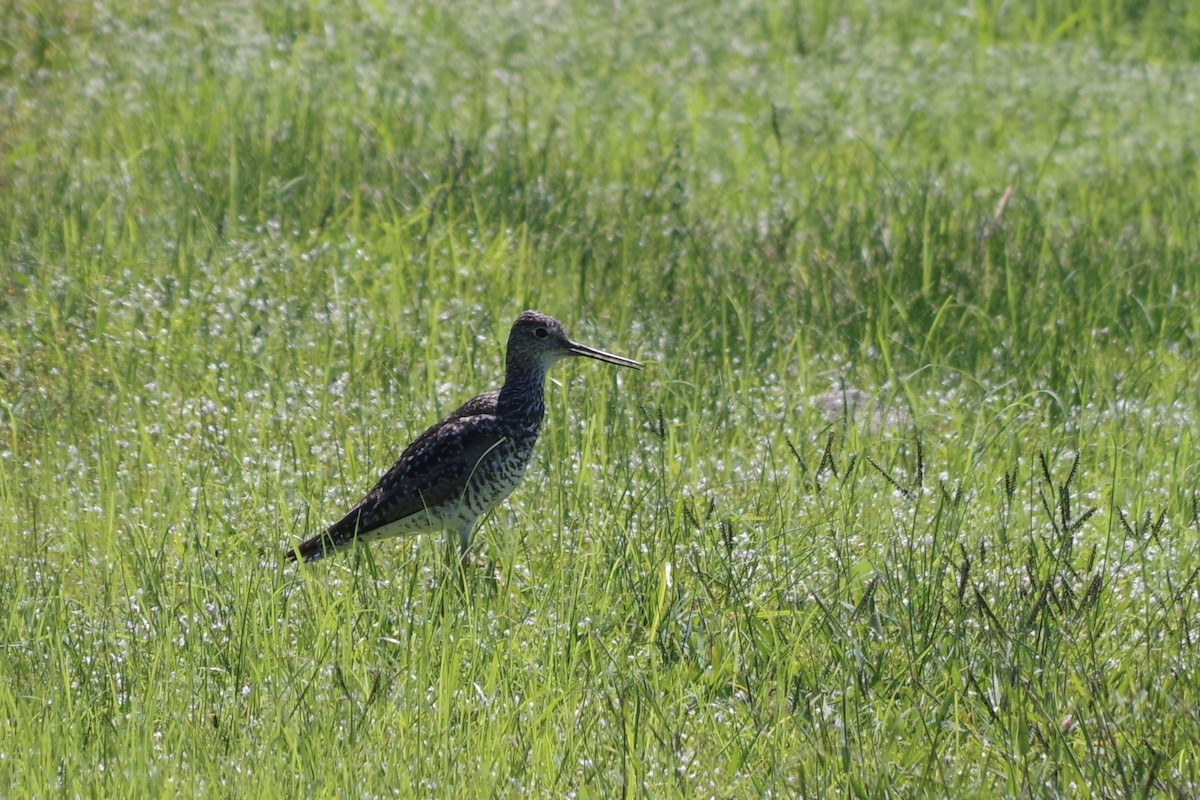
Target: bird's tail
336, 537
316, 548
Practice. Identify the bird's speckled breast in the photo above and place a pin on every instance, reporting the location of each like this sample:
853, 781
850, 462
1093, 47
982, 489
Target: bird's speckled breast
500, 470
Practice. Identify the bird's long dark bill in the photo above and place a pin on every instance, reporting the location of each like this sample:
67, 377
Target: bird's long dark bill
591, 352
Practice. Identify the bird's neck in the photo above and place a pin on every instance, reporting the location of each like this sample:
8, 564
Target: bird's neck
522, 393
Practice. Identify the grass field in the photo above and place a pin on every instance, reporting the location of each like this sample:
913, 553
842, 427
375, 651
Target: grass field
250, 249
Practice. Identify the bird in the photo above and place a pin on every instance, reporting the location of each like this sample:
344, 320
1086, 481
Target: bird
469, 462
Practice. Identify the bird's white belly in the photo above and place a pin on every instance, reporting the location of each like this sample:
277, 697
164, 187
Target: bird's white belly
421, 522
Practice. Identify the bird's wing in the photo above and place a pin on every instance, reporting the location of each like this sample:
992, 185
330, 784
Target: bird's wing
431, 471
430, 475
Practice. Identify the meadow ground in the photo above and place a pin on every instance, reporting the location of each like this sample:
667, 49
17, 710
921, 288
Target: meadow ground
251, 248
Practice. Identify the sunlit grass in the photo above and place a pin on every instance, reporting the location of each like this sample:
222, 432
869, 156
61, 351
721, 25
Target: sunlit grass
904, 504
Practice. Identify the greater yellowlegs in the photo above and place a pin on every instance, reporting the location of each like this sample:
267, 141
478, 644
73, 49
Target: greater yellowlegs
470, 461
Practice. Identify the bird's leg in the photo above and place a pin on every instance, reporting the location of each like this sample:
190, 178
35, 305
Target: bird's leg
463, 529
456, 557
466, 557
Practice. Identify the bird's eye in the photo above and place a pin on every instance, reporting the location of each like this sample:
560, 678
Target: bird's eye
541, 333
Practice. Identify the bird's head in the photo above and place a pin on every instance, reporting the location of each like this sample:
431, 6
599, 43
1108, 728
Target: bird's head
537, 342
